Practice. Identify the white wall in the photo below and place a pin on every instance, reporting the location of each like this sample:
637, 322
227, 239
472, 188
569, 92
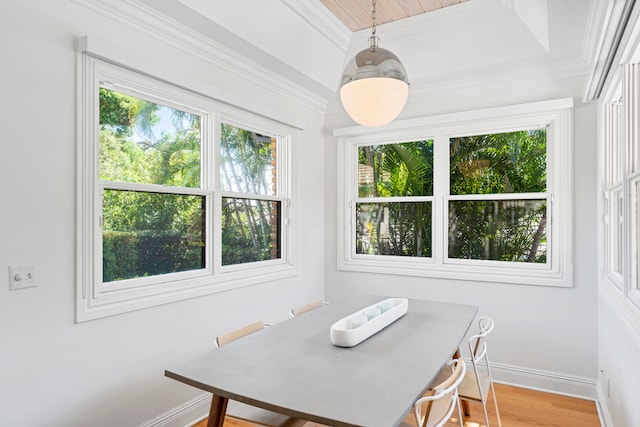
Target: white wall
618, 348
618, 313
545, 337
110, 372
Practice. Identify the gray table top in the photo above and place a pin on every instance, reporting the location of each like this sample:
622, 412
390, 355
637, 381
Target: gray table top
293, 368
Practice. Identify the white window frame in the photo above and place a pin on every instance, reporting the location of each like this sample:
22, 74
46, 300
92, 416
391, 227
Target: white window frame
613, 128
95, 299
620, 180
631, 162
557, 114
633, 290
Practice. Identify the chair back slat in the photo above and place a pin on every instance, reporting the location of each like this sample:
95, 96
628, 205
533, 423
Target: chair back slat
307, 307
225, 339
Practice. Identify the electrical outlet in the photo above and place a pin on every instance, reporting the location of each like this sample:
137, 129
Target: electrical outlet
23, 277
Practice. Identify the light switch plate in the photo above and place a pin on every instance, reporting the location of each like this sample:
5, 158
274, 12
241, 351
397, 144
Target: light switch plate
23, 277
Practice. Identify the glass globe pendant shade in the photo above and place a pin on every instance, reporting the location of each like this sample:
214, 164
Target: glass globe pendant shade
374, 87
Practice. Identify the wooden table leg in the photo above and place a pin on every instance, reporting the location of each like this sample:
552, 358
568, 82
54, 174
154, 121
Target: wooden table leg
217, 411
463, 403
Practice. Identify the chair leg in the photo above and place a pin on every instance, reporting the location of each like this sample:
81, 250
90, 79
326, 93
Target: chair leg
486, 415
459, 411
495, 403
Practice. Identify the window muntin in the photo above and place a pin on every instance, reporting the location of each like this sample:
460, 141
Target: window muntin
482, 227
251, 203
393, 211
614, 173
150, 195
148, 229
534, 207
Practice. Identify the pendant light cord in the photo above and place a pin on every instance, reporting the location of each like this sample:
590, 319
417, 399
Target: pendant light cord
373, 40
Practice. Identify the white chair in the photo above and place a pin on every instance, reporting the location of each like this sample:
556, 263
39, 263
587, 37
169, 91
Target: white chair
436, 408
248, 413
307, 307
478, 382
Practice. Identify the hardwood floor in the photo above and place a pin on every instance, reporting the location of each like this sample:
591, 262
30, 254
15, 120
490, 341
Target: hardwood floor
519, 407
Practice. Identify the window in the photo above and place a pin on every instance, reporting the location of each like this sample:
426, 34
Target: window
619, 183
614, 200
251, 205
483, 195
393, 207
497, 204
179, 195
631, 173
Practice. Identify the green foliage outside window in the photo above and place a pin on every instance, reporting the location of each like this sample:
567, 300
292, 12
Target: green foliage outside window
512, 229
250, 225
501, 230
146, 233
153, 231
395, 170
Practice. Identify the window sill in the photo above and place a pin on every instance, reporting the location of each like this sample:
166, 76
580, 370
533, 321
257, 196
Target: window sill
518, 275
115, 302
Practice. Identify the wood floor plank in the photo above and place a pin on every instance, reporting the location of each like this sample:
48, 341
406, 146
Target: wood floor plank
519, 407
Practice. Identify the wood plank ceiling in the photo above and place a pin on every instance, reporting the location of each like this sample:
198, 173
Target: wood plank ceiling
356, 14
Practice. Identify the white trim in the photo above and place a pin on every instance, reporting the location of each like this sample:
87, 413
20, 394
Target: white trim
144, 18
95, 299
450, 119
558, 269
326, 23
547, 381
184, 415
603, 409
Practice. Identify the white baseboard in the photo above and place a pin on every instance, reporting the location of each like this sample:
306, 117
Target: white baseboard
184, 415
603, 408
552, 382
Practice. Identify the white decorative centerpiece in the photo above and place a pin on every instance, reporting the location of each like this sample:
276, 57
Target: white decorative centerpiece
359, 326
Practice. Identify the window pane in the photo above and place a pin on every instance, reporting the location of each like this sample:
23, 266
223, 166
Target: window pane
616, 249
147, 143
402, 229
514, 162
500, 230
250, 230
248, 161
615, 142
146, 234
396, 170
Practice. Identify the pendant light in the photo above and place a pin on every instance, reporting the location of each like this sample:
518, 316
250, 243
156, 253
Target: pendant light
374, 86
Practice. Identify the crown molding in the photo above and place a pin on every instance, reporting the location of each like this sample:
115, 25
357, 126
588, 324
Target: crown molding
149, 20
511, 75
322, 20
504, 73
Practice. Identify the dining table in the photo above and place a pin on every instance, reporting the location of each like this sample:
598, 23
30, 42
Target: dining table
293, 368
